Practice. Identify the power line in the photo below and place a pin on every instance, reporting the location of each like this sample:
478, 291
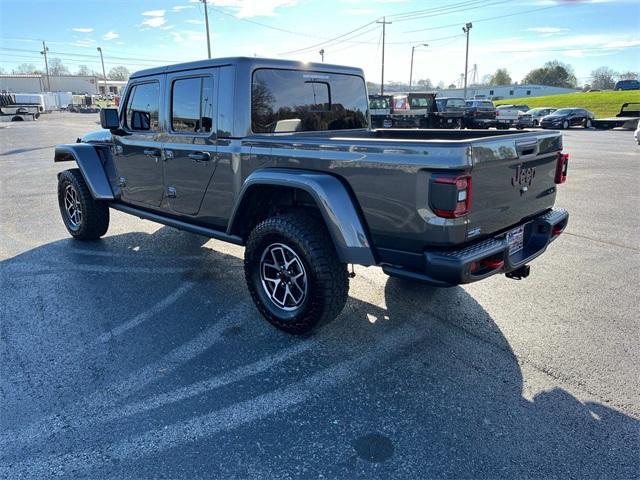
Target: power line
451, 10
331, 40
482, 19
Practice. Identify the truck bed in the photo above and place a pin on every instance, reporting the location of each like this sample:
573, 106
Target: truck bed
389, 171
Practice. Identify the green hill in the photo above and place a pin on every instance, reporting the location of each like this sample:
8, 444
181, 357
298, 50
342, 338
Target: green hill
602, 104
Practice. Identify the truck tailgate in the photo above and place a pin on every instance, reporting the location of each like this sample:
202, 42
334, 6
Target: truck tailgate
512, 179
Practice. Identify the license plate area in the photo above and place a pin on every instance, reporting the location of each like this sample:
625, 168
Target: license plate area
515, 239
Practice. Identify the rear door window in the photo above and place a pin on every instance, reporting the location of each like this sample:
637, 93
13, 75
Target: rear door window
143, 107
302, 101
192, 105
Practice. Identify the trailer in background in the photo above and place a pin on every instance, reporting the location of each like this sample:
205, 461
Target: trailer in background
12, 110
627, 118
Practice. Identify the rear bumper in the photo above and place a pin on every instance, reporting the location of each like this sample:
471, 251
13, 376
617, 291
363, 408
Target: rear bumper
446, 268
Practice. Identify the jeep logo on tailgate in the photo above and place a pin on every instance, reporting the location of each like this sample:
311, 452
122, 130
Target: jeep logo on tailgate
523, 176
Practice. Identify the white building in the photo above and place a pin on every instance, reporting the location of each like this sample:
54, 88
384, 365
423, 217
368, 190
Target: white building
504, 92
77, 84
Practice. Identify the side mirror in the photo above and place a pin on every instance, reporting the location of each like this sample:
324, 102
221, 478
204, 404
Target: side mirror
109, 118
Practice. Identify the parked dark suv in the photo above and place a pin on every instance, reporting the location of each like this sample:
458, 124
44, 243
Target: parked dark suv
627, 85
568, 117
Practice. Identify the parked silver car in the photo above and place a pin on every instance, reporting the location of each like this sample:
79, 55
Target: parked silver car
537, 113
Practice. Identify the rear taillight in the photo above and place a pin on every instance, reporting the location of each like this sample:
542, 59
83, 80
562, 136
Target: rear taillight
451, 195
561, 168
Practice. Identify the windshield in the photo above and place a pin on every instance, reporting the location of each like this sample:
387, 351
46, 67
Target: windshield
453, 103
420, 101
562, 111
475, 103
379, 103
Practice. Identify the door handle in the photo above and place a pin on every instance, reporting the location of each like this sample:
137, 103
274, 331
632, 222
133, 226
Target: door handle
200, 156
152, 152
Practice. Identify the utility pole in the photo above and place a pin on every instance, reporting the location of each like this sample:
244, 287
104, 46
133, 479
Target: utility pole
466, 29
321, 52
411, 69
206, 22
44, 51
104, 74
384, 24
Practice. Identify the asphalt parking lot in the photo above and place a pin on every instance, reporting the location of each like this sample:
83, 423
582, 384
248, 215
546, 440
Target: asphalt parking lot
142, 356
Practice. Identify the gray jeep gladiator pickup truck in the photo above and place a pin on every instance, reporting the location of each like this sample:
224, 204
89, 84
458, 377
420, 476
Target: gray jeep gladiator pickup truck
278, 156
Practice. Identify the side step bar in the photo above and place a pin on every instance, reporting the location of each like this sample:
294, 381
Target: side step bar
179, 224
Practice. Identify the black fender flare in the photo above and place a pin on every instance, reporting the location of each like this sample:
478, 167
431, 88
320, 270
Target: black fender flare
90, 165
340, 215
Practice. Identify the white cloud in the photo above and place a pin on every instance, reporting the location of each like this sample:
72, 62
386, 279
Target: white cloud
179, 8
547, 29
622, 44
154, 22
253, 8
154, 13
84, 43
188, 36
111, 35
82, 30
195, 22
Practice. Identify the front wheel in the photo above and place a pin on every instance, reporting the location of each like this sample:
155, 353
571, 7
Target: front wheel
565, 125
293, 274
586, 123
84, 217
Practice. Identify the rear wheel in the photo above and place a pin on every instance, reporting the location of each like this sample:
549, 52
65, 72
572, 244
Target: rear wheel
565, 124
84, 217
293, 274
586, 123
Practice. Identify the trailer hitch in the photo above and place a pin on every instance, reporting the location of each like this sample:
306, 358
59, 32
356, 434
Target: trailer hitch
519, 273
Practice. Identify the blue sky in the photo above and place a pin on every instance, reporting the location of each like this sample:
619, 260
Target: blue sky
142, 33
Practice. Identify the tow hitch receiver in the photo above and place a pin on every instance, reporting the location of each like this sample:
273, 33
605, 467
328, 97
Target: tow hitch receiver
519, 273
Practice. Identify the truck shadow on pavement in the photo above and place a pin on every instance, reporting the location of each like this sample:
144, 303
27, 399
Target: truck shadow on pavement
141, 355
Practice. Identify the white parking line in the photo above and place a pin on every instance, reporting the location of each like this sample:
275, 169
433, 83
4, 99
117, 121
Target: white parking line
224, 419
77, 414
144, 316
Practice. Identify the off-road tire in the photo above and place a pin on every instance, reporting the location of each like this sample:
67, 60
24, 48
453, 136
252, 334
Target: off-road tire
95, 214
327, 278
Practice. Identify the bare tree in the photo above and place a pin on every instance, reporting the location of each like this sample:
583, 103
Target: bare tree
603, 78
56, 67
84, 70
629, 76
119, 73
26, 69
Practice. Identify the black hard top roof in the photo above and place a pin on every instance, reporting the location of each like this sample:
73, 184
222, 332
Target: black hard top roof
252, 63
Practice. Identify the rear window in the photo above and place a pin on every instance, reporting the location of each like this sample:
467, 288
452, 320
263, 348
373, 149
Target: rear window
300, 101
378, 103
420, 102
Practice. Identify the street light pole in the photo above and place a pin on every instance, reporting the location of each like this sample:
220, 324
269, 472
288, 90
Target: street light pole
466, 29
104, 73
384, 24
321, 52
413, 48
206, 22
44, 51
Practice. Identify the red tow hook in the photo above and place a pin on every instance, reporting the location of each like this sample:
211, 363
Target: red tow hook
494, 264
487, 264
557, 230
